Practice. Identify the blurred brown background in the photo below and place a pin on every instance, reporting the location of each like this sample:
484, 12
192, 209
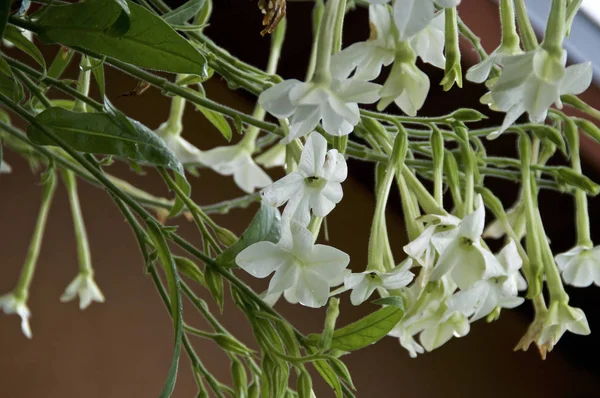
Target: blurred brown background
122, 348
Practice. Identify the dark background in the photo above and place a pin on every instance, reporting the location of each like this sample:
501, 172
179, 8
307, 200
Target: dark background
122, 348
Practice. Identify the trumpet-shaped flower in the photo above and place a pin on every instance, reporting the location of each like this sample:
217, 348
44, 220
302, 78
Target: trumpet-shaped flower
303, 271
306, 104
316, 185
412, 16
580, 266
364, 284
532, 82
561, 318
461, 252
421, 249
11, 304
442, 327
486, 295
85, 287
368, 57
185, 152
5, 167
516, 219
236, 160
407, 86
480, 72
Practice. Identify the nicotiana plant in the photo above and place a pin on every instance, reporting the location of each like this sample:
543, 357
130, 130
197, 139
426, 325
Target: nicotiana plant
448, 277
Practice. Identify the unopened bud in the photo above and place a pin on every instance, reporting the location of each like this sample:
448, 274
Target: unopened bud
304, 385
565, 175
240, 379
468, 115
589, 128
214, 282
225, 236
230, 344
546, 132
188, 268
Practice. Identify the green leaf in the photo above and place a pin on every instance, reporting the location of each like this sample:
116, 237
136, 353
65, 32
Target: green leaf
98, 72
105, 134
176, 309
217, 120
366, 331
123, 4
4, 13
149, 42
11, 86
394, 301
328, 374
183, 13
15, 36
265, 226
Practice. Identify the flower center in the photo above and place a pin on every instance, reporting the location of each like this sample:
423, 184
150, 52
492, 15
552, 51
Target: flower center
466, 242
315, 182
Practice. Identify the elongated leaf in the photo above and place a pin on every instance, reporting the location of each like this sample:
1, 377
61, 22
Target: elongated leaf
184, 12
176, 309
366, 331
328, 374
149, 42
217, 120
11, 87
101, 133
15, 36
98, 72
265, 226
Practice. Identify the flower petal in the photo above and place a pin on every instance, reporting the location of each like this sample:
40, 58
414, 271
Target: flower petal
262, 258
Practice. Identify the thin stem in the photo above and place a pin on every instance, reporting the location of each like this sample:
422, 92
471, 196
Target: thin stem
83, 248
555, 28
83, 85
530, 42
21, 291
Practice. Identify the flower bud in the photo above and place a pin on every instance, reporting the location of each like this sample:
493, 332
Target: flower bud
230, 344
189, 269
341, 371
204, 13
589, 128
239, 377
214, 282
254, 389
567, 176
225, 236
304, 385
545, 132
332, 313
467, 115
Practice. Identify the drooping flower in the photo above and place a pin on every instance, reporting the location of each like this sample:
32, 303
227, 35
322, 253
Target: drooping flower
406, 85
421, 249
368, 57
11, 304
185, 152
516, 219
580, 266
5, 168
364, 284
480, 72
429, 43
308, 103
461, 252
561, 318
531, 82
85, 287
442, 327
315, 186
484, 296
303, 271
237, 160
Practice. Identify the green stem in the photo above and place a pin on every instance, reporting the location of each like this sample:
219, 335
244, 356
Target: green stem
21, 291
83, 84
83, 248
325, 42
528, 37
510, 37
174, 124
317, 19
555, 28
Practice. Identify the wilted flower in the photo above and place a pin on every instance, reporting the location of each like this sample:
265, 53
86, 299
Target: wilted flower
561, 318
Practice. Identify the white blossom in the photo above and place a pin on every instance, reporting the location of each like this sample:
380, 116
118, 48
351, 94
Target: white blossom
412, 16
484, 296
185, 152
580, 266
480, 72
516, 219
561, 318
368, 57
85, 287
237, 160
442, 328
531, 82
303, 271
272, 157
461, 252
5, 168
407, 86
364, 284
13, 305
421, 249
307, 104
429, 43
316, 185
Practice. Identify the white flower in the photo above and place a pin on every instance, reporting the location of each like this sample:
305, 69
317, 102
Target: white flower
486, 295
364, 284
84, 287
407, 86
309, 103
412, 16
236, 160
516, 219
13, 305
185, 152
272, 298
580, 266
532, 82
369, 56
421, 249
303, 271
461, 252
429, 43
316, 185
439, 331
272, 157
5, 168
480, 72
561, 317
